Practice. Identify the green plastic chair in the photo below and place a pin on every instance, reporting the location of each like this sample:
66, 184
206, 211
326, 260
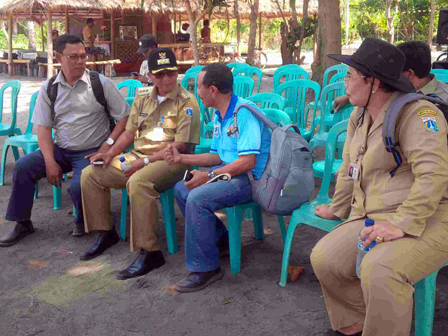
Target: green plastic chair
442, 77
295, 94
250, 72
339, 77
439, 71
338, 68
187, 85
243, 86
10, 129
132, 85
27, 141
268, 100
237, 65
167, 201
289, 74
194, 69
288, 67
305, 214
129, 100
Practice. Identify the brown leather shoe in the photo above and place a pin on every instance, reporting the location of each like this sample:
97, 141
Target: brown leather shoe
19, 231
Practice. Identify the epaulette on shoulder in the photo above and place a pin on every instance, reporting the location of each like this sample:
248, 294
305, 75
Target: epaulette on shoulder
184, 95
144, 91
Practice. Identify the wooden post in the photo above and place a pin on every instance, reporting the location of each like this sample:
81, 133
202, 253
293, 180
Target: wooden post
49, 46
112, 35
175, 24
154, 25
66, 20
259, 30
10, 64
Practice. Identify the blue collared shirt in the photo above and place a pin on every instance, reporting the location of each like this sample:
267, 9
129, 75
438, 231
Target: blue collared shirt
254, 137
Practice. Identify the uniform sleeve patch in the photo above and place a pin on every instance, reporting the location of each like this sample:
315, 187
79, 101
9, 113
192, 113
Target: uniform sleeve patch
426, 112
430, 124
189, 111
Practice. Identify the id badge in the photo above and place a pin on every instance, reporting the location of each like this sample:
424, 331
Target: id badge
353, 171
157, 134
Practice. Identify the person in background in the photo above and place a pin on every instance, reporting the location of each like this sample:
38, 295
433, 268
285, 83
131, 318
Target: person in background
205, 32
145, 45
88, 34
54, 36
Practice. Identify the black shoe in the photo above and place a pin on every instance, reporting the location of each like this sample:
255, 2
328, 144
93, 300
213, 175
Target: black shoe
20, 230
144, 264
105, 240
78, 230
199, 280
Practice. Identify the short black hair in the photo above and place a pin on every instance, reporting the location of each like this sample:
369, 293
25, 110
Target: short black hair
62, 41
206, 22
219, 75
90, 20
418, 57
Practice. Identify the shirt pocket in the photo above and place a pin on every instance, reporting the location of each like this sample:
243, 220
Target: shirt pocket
169, 128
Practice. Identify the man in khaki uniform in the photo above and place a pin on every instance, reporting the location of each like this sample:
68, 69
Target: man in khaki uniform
410, 208
167, 114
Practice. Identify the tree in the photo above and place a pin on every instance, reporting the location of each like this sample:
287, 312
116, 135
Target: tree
253, 31
431, 23
390, 16
31, 35
328, 37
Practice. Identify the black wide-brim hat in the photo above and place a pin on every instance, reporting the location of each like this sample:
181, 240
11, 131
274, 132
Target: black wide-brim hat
381, 60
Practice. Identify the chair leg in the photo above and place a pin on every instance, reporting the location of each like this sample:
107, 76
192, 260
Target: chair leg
15, 151
2, 168
74, 213
287, 252
258, 221
235, 217
56, 198
281, 224
424, 304
124, 211
36, 190
167, 201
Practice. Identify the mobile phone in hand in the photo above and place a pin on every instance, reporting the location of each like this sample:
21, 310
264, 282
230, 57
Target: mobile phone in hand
133, 73
188, 176
98, 162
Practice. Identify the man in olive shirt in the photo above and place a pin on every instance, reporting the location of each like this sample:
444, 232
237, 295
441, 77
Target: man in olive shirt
167, 114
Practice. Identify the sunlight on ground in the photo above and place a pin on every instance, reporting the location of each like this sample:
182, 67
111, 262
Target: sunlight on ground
80, 281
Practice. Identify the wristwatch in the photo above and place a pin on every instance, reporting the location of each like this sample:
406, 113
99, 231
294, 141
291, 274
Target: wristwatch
110, 141
211, 175
146, 161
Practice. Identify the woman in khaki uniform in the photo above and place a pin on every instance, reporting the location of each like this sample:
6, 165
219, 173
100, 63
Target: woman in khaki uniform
410, 208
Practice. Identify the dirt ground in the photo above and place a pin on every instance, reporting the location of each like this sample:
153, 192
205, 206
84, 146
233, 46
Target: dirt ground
46, 290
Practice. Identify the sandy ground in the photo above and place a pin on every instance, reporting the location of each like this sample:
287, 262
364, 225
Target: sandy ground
46, 290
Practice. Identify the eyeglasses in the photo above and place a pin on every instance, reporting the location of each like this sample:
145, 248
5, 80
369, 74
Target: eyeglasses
162, 74
75, 57
349, 77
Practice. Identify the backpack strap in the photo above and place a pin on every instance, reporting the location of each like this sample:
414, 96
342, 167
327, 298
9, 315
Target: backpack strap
390, 120
98, 91
52, 92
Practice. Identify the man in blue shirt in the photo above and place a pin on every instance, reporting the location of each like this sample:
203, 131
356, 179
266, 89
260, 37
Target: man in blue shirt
237, 152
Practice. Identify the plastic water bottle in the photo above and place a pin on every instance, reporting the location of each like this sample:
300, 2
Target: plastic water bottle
361, 251
124, 164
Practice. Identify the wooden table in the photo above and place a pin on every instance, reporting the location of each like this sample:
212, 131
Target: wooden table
107, 64
16, 63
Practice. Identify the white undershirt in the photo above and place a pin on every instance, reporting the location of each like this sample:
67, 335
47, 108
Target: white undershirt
160, 99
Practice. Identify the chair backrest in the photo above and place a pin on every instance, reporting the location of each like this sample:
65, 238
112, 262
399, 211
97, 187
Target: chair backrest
129, 100
15, 86
249, 72
339, 77
237, 65
288, 67
327, 97
295, 94
187, 85
243, 86
338, 68
344, 113
268, 100
197, 68
132, 85
439, 71
330, 151
442, 77
288, 75
277, 116
29, 127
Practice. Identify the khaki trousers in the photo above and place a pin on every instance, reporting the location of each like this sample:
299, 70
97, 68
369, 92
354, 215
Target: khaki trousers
143, 188
383, 298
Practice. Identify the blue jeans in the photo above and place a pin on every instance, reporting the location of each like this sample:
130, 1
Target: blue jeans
31, 168
203, 230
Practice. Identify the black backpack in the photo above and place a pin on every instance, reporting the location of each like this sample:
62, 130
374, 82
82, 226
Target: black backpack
97, 87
